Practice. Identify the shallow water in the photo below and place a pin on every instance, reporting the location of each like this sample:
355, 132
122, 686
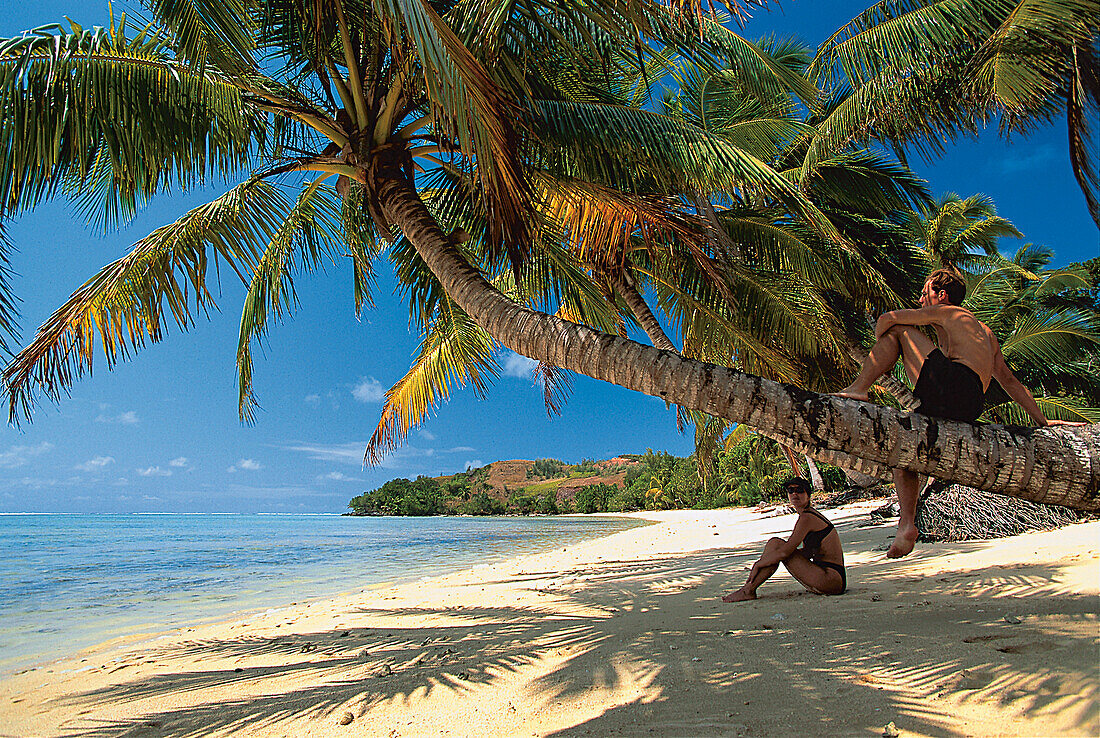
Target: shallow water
71, 581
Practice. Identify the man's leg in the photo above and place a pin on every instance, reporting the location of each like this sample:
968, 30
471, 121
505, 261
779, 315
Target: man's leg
901, 341
912, 347
906, 484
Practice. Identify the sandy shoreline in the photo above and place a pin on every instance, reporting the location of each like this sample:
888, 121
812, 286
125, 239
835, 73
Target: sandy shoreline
625, 635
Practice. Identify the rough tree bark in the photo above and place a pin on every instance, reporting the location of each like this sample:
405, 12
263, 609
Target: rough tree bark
626, 288
1058, 465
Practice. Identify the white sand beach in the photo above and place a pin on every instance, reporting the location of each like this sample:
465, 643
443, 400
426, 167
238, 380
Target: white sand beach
626, 635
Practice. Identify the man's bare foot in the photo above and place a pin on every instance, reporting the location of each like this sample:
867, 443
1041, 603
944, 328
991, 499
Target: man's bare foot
739, 596
852, 394
903, 544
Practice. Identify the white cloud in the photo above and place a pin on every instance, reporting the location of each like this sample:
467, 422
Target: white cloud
426, 435
95, 464
20, 455
338, 477
179, 463
312, 399
127, 418
37, 483
154, 471
369, 389
519, 366
403, 457
347, 453
1039, 157
245, 465
473, 464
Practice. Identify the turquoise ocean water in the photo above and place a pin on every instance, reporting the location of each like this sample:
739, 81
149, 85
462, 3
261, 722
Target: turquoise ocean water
71, 581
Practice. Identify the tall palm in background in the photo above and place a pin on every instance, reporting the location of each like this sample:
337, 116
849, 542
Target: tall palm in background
337, 115
1048, 324
955, 232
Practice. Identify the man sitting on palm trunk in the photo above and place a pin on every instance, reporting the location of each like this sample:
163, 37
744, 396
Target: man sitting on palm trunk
950, 380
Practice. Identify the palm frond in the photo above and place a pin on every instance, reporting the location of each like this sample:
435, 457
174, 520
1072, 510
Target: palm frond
134, 299
80, 108
622, 147
557, 385
470, 106
309, 234
919, 32
1053, 408
455, 350
1047, 339
766, 68
358, 236
1082, 112
220, 32
9, 303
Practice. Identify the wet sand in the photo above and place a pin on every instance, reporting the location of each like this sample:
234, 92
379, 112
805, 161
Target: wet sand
626, 635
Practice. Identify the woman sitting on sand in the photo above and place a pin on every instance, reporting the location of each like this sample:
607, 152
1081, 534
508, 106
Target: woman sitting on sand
818, 565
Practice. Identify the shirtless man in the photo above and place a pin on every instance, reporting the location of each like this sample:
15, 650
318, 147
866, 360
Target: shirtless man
949, 380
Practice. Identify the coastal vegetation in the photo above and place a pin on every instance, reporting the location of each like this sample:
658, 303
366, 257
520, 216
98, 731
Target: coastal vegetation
536, 188
749, 472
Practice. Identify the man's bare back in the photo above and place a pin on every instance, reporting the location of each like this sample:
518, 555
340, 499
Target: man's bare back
967, 340
960, 336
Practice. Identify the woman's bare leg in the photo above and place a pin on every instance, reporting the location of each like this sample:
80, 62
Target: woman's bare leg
814, 577
757, 576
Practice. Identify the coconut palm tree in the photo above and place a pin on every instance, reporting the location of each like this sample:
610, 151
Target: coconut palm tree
922, 72
954, 231
370, 93
1047, 340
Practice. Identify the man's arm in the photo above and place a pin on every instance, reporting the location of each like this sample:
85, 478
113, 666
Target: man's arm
929, 315
1015, 389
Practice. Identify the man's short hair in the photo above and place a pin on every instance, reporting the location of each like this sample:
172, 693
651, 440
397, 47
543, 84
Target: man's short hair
950, 282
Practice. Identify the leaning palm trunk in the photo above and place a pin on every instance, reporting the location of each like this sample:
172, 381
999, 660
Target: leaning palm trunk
1055, 466
640, 309
815, 475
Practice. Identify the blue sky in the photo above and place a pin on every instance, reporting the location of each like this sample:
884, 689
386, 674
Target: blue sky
160, 433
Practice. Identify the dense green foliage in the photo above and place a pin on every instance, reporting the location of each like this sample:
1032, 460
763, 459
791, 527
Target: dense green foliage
545, 469
749, 472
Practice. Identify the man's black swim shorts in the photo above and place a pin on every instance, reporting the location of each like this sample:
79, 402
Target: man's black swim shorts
948, 389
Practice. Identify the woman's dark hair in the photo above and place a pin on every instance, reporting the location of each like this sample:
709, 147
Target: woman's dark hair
798, 482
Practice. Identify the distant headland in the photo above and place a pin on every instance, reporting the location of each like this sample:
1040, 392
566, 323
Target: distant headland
748, 474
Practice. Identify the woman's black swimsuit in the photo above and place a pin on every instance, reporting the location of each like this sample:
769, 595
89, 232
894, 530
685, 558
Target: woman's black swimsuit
811, 544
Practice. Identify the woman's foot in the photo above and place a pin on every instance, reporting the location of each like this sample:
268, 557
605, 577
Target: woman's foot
740, 595
904, 542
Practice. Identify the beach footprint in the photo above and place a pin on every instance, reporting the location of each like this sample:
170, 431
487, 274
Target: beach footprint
969, 679
1032, 647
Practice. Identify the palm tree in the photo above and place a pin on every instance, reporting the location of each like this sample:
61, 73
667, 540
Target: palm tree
1047, 337
370, 94
753, 469
954, 231
921, 72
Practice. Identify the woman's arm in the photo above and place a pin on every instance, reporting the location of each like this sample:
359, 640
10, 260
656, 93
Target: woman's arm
782, 553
